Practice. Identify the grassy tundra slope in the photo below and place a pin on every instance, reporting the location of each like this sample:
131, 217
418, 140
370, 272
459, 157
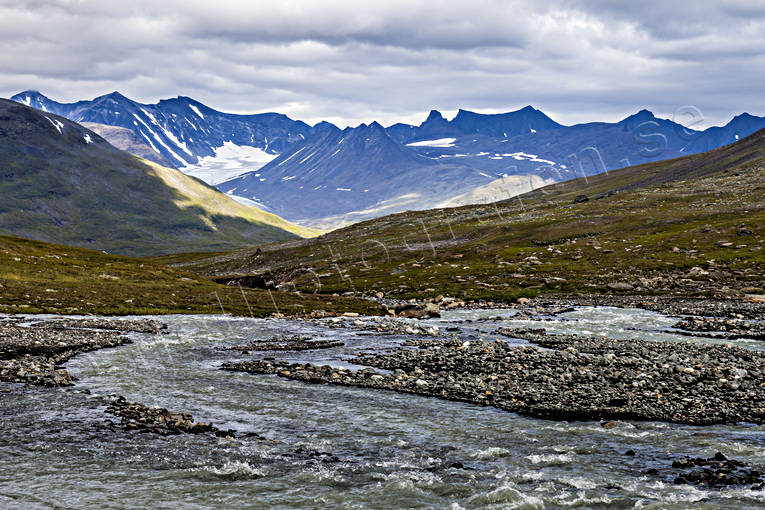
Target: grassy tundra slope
689, 226
63, 183
37, 277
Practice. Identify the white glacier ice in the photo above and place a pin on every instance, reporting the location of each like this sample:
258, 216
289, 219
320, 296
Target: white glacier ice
441, 142
230, 161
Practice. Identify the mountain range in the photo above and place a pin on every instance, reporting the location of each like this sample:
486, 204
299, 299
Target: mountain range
181, 129
368, 171
63, 183
325, 177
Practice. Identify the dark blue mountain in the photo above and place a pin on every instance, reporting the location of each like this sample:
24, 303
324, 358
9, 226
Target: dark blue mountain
524, 121
181, 129
350, 174
739, 127
500, 125
324, 176
357, 173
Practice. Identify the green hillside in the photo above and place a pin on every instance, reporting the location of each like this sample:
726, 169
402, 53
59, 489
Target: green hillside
37, 277
63, 183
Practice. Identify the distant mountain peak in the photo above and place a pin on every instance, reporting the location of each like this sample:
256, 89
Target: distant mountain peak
324, 128
744, 116
643, 113
30, 93
524, 121
638, 117
434, 115
31, 98
113, 95
363, 128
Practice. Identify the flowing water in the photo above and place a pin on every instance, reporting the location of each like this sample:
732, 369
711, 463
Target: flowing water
338, 447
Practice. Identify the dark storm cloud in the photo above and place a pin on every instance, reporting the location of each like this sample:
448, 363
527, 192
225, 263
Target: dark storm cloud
350, 62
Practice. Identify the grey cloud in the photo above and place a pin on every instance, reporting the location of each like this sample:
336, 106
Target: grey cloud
351, 61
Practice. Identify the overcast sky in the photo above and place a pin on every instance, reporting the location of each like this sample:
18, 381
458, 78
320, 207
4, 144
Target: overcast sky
357, 61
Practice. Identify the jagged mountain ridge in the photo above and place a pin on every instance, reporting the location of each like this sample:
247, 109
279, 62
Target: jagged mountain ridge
504, 125
180, 129
472, 151
362, 170
326, 181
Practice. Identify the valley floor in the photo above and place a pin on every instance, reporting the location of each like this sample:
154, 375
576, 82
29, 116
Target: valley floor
598, 370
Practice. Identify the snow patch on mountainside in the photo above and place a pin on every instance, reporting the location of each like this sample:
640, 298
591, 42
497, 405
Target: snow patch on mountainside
56, 124
406, 201
522, 156
441, 142
156, 137
196, 110
230, 161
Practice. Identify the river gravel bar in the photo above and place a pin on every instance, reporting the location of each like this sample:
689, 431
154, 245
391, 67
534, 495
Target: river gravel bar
563, 377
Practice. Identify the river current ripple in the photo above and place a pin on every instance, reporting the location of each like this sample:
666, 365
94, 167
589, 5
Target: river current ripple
339, 447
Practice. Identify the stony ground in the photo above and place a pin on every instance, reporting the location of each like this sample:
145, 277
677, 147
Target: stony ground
135, 416
728, 328
123, 325
288, 343
32, 354
675, 306
718, 471
564, 377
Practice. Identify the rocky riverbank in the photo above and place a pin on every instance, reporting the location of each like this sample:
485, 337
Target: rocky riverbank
667, 305
121, 325
726, 328
568, 378
33, 354
718, 471
288, 343
32, 351
134, 416
380, 325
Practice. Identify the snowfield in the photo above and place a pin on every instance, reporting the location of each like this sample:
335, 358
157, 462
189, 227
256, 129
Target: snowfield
441, 142
230, 161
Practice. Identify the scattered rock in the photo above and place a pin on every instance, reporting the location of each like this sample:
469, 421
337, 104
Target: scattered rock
571, 378
134, 416
289, 343
733, 328
716, 472
32, 354
418, 310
